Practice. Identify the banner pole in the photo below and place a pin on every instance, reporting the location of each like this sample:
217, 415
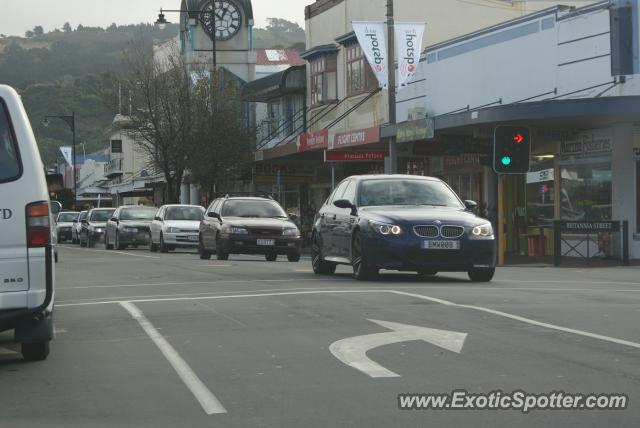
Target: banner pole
393, 155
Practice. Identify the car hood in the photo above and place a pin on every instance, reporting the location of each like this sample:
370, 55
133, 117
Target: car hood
65, 224
183, 224
420, 214
266, 223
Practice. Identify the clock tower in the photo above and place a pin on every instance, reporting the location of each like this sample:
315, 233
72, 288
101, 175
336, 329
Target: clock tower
231, 23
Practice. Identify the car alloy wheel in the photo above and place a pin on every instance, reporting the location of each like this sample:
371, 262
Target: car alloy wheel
320, 267
152, 247
361, 270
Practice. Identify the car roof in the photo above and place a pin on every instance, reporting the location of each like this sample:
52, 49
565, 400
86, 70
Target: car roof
247, 198
180, 205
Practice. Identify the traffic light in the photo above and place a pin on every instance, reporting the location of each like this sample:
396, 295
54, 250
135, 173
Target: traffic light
512, 150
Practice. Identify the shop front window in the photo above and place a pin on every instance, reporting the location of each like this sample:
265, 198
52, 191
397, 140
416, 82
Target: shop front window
541, 193
586, 191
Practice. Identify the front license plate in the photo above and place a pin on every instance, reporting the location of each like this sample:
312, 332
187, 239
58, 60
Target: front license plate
193, 238
266, 242
441, 245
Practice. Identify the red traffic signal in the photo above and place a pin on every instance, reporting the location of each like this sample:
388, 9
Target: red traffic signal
512, 150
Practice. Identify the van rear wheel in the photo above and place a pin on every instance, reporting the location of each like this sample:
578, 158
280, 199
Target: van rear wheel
35, 351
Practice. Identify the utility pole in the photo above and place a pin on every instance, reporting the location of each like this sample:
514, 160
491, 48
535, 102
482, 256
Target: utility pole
393, 154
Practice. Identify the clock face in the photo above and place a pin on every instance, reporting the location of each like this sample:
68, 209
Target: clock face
225, 16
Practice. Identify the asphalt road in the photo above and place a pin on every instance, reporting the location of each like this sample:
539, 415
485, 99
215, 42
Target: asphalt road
166, 340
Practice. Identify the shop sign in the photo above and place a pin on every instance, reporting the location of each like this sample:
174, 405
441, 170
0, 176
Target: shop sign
465, 161
590, 226
362, 156
540, 176
354, 138
273, 169
317, 140
415, 130
588, 143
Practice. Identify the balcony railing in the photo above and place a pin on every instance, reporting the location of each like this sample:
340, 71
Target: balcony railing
114, 168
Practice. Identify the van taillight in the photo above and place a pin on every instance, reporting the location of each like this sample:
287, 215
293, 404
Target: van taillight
38, 225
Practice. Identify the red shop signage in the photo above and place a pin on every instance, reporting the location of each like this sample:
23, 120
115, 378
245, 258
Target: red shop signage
355, 138
317, 140
364, 156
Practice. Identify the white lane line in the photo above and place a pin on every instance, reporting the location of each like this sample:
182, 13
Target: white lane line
171, 297
234, 281
122, 253
523, 319
210, 297
401, 293
205, 397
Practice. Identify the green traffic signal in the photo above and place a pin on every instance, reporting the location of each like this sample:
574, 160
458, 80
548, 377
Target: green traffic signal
506, 161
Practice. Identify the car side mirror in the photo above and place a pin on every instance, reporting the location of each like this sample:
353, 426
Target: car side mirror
157, 218
293, 217
56, 207
343, 203
114, 219
213, 215
471, 205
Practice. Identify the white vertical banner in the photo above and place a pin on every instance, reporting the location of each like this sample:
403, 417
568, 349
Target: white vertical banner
409, 42
67, 154
371, 36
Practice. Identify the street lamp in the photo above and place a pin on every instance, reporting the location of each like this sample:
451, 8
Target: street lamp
162, 22
71, 121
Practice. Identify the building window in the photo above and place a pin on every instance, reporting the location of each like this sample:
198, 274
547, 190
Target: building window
360, 77
323, 80
586, 191
116, 146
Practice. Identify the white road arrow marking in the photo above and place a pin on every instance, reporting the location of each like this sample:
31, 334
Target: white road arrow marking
353, 351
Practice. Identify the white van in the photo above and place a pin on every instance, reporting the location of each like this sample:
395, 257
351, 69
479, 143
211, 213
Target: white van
26, 254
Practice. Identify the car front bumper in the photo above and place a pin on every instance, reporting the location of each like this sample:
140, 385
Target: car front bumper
407, 253
238, 244
181, 239
64, 234
141, 237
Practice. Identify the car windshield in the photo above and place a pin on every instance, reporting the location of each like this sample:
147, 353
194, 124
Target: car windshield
184, 213
101, 215
67, 217
138, 213
407, 192
253, 209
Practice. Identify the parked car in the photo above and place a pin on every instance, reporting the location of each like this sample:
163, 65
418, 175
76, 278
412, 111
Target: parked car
404, 223
27, 272
248, 225
175, 226
64, 225
77, 225
129, 225
93, 227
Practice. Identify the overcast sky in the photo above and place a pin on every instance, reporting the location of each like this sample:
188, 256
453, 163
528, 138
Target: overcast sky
18, 16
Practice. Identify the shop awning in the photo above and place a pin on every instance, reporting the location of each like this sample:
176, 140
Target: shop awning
289, 81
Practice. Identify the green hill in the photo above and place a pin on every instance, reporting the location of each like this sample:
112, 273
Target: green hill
64, 71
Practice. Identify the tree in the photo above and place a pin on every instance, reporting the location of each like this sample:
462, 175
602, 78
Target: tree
161, 95
67, 27
29, 34
38, 30
220, 147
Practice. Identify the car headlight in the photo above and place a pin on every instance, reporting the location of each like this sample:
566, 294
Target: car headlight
97, 230
291, 232
172, 230
385, 229
482, 231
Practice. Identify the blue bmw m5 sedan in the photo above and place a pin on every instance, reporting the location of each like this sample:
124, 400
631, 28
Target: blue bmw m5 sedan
403, 223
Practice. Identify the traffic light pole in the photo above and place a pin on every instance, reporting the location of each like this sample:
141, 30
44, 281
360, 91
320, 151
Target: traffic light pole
501, 218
